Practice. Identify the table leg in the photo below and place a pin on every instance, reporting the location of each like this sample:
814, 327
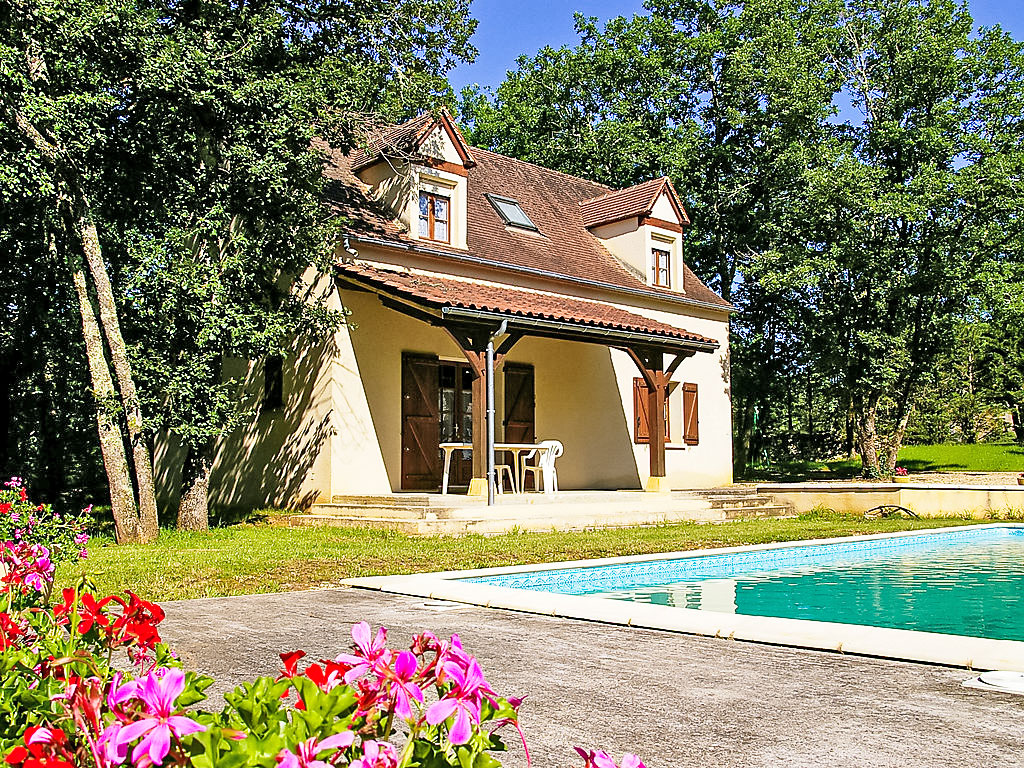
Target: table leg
444, 473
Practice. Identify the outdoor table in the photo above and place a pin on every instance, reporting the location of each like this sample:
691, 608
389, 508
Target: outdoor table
516, 449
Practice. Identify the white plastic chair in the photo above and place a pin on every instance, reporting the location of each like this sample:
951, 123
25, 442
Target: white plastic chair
500, 471
544, 469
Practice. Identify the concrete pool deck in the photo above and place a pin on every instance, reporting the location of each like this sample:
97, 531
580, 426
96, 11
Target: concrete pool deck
674, 699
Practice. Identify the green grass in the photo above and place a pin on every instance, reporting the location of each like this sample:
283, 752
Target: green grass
251, 558
953, 457
981, 457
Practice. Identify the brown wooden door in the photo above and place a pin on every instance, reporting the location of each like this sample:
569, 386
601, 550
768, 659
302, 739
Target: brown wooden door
421, 460
519, 421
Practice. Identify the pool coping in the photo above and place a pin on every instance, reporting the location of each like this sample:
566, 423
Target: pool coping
929, 647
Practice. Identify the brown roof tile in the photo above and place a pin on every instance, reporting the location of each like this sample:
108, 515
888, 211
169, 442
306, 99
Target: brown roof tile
435, 290
637, 200
554, 201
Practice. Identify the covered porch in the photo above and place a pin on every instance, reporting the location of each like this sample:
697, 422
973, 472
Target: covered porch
555, 360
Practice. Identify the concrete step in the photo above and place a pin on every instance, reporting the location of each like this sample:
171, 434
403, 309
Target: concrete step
747, 513
384, 500
739, 502
538, 513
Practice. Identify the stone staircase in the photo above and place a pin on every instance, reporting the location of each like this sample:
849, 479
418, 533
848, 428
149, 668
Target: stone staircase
431, 514
745, 502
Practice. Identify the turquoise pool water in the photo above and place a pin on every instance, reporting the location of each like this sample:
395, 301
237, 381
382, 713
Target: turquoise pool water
967, 582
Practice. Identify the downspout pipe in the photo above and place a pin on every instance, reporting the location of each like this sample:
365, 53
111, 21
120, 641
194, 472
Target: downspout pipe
491, 479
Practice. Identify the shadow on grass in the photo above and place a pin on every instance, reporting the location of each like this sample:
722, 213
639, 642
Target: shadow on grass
103, 519
801, 471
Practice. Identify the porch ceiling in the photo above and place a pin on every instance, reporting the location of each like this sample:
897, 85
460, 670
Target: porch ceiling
445, 300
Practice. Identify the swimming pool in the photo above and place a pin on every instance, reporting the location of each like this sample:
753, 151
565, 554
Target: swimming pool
966, 582
952, 596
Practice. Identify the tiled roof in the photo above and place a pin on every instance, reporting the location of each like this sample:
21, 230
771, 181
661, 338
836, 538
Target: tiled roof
563, 245
436, 290
404, 138
637, 200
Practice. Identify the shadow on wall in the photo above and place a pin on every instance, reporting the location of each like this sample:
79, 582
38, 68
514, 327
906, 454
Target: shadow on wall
271, 460
579, 403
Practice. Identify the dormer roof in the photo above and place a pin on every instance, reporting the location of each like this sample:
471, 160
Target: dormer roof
407, 139
632, 202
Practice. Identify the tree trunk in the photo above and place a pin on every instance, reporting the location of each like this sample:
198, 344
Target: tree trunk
742, 458
193, 509
86, 229
127, 526
1017, 423
895, 441
867, 435
851, 421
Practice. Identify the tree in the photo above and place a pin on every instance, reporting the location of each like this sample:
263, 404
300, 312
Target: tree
850, 240
727, 97
37, 112
915, 199
183, 138
1002, 355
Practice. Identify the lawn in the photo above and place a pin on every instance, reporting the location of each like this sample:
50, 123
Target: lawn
248, 558
951, 457
981, 457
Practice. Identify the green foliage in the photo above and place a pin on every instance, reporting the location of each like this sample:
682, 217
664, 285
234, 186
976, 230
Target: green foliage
197, 132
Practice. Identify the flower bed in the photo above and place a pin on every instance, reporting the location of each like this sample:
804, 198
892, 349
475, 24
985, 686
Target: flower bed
86, 681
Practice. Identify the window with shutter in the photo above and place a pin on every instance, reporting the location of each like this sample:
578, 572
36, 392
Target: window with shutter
273, 382
691, 422
640, 434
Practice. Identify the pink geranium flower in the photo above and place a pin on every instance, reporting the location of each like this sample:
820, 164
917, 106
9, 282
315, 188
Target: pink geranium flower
307, 751
403, 689
376, 754
600, 759
462, 701
158, 691
370, 655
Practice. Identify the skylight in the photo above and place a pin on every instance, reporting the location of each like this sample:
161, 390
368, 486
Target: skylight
511, 212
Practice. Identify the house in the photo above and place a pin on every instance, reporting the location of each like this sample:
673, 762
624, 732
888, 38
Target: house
609, 344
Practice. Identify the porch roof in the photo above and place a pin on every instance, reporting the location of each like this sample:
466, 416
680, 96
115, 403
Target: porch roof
450, 299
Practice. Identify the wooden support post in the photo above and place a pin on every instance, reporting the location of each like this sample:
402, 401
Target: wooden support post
473, 344
652, 369
478, 485
656, 422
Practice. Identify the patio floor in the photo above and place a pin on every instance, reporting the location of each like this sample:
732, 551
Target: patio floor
674, 699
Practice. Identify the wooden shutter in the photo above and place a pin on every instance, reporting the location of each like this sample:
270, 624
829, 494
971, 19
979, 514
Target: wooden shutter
640, 434
691, 422
421, 424
519, 418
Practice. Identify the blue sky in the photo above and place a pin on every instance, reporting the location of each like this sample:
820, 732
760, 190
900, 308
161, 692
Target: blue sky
508, 29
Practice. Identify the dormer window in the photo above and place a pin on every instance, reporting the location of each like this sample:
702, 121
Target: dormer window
661, 267
511, 212
434, 217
